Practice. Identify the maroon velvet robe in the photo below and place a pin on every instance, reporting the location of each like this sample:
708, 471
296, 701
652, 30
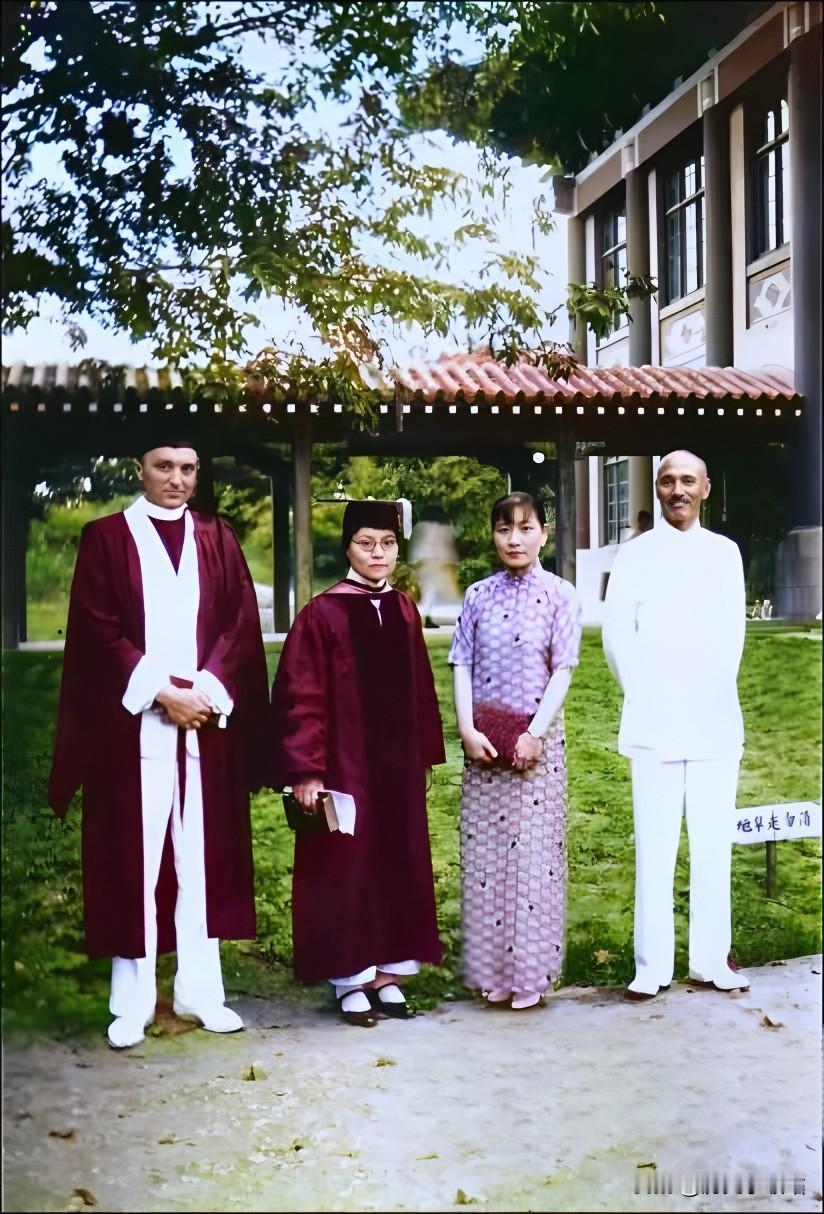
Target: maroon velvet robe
354, 704
97, 745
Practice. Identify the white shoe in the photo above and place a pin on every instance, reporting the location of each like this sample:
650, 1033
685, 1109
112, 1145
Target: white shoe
217, 1019
727, 980
125, 1031
527, 999
498, 995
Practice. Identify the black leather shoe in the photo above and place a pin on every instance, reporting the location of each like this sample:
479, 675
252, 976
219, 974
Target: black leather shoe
395, 1011
364, 1019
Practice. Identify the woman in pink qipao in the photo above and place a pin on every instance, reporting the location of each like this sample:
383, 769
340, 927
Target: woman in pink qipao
515, 646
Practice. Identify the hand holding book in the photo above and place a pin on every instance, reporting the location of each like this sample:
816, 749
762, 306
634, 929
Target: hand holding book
335, 811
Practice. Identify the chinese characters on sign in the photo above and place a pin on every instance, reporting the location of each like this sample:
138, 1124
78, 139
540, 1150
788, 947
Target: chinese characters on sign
772, 823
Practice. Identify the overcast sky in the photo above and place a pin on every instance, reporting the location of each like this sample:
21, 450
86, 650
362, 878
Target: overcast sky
44, 340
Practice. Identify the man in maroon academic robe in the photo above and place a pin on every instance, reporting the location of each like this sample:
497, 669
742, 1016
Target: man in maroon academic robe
163, 694
354, 711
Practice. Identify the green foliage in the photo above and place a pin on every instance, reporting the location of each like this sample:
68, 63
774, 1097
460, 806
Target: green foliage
601, 309
557, 83
191, 186
52, 546
48, 982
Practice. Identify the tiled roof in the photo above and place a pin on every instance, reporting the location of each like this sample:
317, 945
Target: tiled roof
70, 377
477, 378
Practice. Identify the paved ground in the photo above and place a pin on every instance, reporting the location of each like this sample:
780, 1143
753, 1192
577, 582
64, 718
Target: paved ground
567, 1107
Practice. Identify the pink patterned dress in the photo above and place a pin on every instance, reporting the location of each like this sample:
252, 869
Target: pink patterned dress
514, 632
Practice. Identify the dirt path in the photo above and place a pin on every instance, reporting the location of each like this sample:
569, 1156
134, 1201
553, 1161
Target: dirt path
560, 1108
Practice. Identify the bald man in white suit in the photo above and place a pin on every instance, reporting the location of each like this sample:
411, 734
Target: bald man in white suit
673, 636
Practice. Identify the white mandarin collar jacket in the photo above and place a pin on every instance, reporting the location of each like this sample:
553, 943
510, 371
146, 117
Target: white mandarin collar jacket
673, 636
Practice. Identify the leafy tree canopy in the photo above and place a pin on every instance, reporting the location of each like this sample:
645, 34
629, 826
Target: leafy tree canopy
187, 185
559, 81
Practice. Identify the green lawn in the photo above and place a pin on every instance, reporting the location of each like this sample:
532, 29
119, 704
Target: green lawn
49, 984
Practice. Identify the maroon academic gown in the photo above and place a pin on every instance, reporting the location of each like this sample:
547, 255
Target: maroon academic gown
97, 745
354, 704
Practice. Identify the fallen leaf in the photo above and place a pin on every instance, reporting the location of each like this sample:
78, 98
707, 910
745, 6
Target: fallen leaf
771, 1024
601, 956
297, 1145
461, 1199
255, 1071
433, 1155
166, 1140
88, 1198
654, 1166
61, 1133
386, 1062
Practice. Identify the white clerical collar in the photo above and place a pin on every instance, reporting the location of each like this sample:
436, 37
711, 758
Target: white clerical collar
169, 513
669, 531
356, 577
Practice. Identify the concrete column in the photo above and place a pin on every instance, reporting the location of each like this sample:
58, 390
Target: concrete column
718, 313
577, 272
637, 201
596, 503
302, 471
565, 529
798, 572
281, 549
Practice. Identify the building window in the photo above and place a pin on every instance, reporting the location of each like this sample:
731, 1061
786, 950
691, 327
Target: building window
614, 253
616, 480
684, 251
771, 193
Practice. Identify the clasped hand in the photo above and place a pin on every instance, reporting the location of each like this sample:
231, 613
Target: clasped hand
527, 751
185, 707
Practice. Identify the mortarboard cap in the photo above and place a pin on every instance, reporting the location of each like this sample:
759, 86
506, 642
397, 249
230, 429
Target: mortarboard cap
394, 516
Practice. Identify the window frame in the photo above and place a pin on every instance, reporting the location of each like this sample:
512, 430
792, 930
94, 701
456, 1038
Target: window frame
613, 208
619, 465
757, 151
686, 153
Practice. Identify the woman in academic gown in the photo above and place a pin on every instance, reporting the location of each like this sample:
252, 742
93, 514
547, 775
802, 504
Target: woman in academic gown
354, 710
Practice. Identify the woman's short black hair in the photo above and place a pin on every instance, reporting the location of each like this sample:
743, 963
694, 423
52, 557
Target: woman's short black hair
504, 509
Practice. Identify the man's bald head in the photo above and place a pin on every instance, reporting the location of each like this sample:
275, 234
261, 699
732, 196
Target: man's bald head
681, 485
683, 457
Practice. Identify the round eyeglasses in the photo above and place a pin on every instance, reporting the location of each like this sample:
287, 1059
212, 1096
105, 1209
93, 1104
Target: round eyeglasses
370, 545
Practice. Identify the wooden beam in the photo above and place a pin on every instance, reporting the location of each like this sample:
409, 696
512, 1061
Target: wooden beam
302, 474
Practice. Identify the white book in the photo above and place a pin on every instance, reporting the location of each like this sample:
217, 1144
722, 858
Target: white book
339, 808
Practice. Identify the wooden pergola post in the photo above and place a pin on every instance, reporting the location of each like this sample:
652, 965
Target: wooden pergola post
565, 528
281, 549
15, 537
302, 474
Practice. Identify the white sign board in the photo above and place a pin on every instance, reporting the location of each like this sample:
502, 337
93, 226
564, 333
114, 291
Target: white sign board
772, 823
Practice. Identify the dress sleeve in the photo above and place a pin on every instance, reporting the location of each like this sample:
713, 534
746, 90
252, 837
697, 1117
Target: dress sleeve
566, 630
462, 651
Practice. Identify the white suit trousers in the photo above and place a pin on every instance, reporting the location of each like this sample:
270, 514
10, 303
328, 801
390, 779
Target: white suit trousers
198, 982
660, 791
